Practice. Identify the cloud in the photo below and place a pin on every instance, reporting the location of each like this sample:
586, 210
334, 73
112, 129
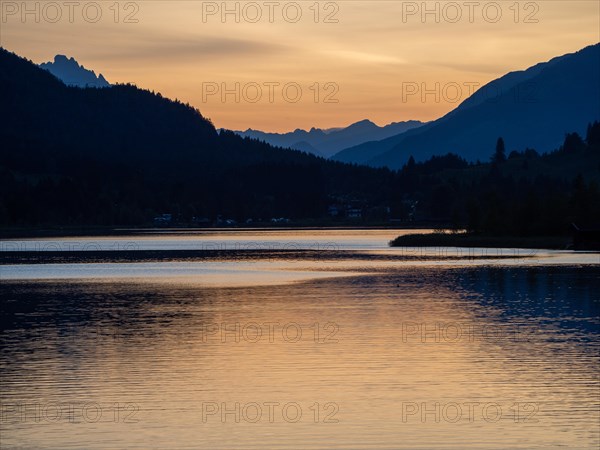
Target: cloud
366, 57
495, 69
182, 49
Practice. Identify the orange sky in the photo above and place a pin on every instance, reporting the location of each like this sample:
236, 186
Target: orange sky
305, 63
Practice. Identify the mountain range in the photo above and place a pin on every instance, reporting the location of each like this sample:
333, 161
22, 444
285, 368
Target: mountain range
534, 108
70, 72
316, 141
531, 108
123, 155
327, 142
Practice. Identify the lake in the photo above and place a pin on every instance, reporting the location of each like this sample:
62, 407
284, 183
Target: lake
294, 339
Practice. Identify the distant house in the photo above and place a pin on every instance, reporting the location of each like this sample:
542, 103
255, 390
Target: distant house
354, 213
410, 206
201, 221
586, 238
163, 220
221, 222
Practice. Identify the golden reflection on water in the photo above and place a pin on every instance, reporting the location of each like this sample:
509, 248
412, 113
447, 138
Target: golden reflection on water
415, 358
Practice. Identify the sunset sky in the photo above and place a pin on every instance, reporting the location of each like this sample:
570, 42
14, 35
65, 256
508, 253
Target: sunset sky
359, 53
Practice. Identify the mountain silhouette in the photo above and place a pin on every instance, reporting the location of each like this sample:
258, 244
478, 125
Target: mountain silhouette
327, 142
531, 108
71, 73
123, 155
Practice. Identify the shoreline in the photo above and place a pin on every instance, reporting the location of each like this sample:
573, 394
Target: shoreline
483, 241
50, 232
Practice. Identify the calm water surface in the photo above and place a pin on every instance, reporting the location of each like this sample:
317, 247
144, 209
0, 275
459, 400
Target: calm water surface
360, 346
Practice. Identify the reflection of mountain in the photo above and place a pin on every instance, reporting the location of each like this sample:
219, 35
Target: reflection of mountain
532, 108
330, 141
72, 74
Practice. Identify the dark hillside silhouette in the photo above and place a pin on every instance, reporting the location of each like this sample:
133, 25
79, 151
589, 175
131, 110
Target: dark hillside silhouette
531, 108
123, 156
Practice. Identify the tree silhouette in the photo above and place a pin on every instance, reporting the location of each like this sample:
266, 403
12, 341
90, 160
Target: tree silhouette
500, 153
592, 137
573, 143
